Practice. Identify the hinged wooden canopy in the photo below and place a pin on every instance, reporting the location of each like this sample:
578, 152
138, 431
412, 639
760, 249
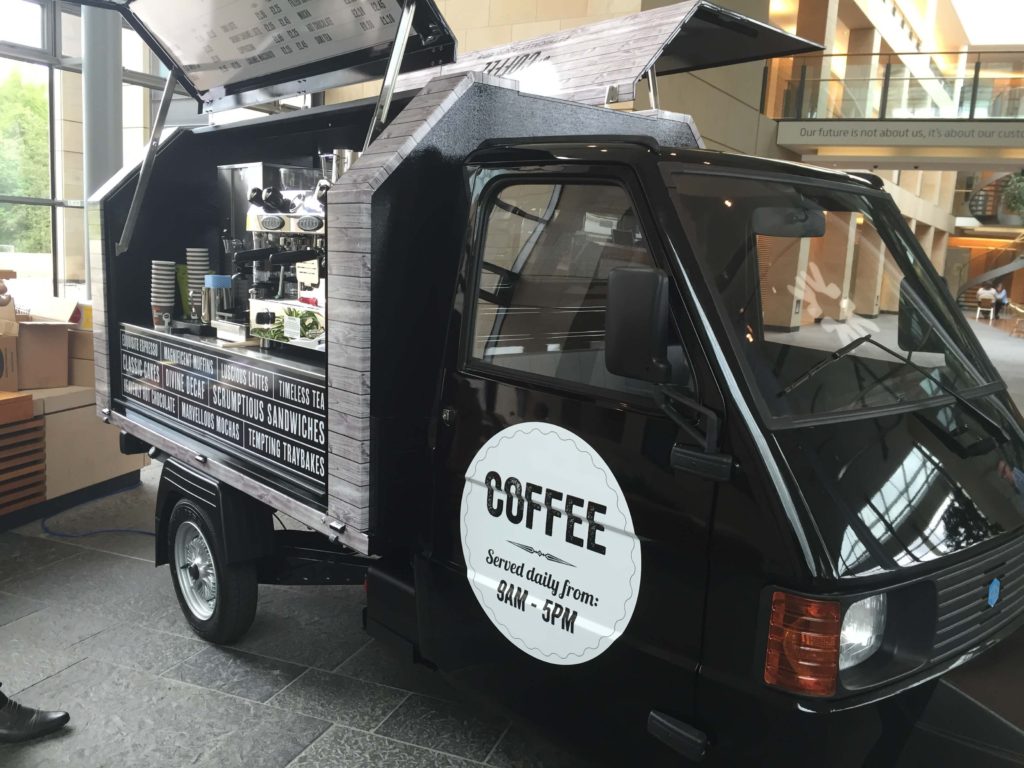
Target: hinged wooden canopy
603, 62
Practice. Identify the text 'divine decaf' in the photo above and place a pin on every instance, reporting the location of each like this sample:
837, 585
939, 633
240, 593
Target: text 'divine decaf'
188, 384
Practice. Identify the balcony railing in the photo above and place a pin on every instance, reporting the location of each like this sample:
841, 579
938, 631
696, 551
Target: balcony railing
940, 85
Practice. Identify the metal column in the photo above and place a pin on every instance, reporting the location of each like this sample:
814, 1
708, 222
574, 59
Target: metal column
102, 121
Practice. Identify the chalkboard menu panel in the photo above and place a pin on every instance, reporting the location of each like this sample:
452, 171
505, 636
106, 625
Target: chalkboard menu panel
272, 414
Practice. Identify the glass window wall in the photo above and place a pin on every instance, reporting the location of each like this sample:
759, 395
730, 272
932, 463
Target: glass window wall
42, 216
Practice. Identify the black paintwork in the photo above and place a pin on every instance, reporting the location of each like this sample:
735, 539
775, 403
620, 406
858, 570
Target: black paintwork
712, 550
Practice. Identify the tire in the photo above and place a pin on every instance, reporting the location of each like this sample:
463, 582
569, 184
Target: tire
217, 599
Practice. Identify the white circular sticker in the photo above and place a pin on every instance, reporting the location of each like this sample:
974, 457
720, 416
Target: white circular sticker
549, 544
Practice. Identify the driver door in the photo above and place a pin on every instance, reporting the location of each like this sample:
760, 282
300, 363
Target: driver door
538, 432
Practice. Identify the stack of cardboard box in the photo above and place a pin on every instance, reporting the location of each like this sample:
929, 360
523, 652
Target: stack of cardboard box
34, 349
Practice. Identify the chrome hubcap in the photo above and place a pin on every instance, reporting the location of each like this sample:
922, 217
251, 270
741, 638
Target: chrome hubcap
197, 576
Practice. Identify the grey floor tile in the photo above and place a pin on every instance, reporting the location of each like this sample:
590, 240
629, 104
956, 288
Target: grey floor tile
519, 748
21, 668
121, 717
54, 627
445, 726
314, 626
21, 555
346, 748
240, 674
132, 510
97, 579
41, 643
140, 648
13, 607
379, 664
340, 699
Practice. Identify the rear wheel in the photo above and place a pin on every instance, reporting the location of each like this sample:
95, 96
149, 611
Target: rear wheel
217, 598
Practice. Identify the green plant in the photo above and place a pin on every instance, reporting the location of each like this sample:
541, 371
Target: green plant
24, 163
309, 323
1013, 195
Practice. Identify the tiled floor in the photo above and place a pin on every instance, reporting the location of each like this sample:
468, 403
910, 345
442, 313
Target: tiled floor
89, 625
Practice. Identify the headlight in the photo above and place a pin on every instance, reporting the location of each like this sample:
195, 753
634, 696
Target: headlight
863, 627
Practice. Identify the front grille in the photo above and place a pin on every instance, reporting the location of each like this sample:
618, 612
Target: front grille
964, 615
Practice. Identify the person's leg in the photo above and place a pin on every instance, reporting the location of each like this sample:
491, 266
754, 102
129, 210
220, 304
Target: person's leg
19, 723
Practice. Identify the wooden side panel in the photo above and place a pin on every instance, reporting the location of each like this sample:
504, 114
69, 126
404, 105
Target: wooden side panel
349, 267
586, 61
22, 465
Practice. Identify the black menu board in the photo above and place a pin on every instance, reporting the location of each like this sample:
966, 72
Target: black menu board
259, 409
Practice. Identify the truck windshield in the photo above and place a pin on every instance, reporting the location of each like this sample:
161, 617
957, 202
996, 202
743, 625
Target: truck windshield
802, 273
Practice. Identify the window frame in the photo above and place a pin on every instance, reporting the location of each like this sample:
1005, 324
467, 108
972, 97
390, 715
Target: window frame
50, 55
610, 175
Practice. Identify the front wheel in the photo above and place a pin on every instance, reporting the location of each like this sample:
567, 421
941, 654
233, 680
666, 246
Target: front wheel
218, 599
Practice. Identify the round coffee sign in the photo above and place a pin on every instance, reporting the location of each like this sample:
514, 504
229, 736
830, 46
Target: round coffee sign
549, 544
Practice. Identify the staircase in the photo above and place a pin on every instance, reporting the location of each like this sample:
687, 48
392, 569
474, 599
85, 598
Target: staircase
984, 201
1011, 259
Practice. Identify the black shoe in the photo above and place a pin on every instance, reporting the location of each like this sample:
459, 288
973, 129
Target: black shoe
18, 723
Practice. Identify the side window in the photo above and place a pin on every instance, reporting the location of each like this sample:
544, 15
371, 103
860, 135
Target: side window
547, 252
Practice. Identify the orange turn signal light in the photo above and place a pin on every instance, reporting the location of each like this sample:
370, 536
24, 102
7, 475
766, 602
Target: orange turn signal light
803, 645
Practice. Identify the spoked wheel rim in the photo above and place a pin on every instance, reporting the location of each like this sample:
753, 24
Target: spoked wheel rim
196, 573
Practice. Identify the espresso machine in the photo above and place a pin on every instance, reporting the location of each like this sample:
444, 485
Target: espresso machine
280, 280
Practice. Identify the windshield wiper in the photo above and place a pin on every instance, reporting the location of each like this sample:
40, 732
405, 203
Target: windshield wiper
839, 354
992, 426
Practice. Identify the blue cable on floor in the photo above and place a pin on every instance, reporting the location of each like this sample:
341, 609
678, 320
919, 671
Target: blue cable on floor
85, 534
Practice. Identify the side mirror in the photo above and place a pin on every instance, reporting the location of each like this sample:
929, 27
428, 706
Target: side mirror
915, 331
636, 324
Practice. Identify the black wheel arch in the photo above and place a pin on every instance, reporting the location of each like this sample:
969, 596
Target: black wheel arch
246, 525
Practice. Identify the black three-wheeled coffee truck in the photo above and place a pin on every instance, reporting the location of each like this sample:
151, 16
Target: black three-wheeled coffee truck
677, 451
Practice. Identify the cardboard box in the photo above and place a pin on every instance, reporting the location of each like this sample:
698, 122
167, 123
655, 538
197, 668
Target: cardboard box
82, 451
8, 363
80, 345
82, 373
62, 399
60, 310
8, 349
42, 354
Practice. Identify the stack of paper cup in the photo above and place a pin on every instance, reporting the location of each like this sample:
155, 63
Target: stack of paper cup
162, 286
198, 260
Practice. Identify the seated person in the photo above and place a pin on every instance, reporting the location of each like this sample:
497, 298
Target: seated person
986, 294
1002, 299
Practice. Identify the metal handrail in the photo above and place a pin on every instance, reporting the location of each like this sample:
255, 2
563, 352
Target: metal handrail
1015, 248
954, 86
